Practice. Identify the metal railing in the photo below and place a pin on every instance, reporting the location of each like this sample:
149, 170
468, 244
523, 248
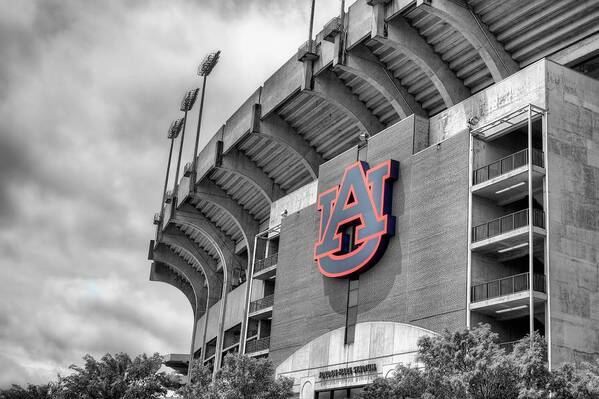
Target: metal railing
507, 223
210, 351
265, 263
506, 286
257, 345
332, 29
307, 51
187, 169
262, 303
504, 165
509, 346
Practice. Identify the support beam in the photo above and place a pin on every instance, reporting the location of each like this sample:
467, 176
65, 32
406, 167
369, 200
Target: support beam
330, 88
210, 192
361, 62
577, 52
406, 40
188, 215
205, 296
276, 129
163, 273
223, 299
225, 247
238, 163
164, 254
464, 20
173, 238
249, 228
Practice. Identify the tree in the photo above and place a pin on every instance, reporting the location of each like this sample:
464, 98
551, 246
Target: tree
576, 382
240, 377
31, 392
469, 364
200, 387
115, 377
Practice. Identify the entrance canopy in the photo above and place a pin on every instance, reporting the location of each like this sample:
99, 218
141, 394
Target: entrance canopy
326, 363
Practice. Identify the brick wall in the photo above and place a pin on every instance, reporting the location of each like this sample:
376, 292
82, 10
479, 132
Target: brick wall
420, 280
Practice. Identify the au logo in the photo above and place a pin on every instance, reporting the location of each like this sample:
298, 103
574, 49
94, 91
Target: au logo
355, 219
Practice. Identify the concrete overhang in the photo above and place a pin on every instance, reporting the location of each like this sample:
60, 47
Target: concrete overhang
505, 241
177, 361
508, 307
508, 187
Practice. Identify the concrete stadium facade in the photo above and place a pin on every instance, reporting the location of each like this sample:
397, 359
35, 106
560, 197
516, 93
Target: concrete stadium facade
489, 108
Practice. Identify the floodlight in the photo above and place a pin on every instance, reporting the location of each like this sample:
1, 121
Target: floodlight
175, 128
189, 99
208, 63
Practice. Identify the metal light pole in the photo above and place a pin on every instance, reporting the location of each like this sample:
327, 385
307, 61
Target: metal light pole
206, 66
311, 25
186, 104
173, 132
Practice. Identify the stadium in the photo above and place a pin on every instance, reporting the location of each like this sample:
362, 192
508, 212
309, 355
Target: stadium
417, 165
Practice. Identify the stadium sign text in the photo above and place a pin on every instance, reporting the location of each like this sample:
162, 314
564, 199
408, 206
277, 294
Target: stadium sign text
347, 371
355, 219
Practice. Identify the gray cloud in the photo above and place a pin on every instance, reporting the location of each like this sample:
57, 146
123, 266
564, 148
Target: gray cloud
88, 91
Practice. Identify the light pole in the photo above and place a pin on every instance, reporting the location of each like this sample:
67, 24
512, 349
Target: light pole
186, 104
206, 66
172, 134
311, 26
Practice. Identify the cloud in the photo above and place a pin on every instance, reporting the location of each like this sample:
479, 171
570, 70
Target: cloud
88, 91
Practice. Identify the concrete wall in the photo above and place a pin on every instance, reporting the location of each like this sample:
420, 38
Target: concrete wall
523, 88
213, 320
293, 202
359, 22
286, 81
421, 279
233, 315
200, 333
385, 344
573, 174
235, 306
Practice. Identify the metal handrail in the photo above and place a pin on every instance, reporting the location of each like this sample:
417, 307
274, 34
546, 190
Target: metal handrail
267, 262
507, 223
262, 303
507, 286
506, 164
257, 345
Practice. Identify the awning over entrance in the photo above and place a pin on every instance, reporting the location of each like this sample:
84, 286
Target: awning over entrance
326, 364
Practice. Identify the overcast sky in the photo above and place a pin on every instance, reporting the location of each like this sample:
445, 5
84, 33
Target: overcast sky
87, 92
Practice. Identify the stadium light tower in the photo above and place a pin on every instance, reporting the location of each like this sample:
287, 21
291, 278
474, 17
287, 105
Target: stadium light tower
206, 66
172, 134
186, 104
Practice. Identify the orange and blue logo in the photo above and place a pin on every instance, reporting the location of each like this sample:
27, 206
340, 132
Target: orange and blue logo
355, 219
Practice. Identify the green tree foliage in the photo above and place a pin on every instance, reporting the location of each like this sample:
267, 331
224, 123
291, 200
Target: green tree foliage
470, 364
580, 382
240, 377
31, 392
115, 377
112, 377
